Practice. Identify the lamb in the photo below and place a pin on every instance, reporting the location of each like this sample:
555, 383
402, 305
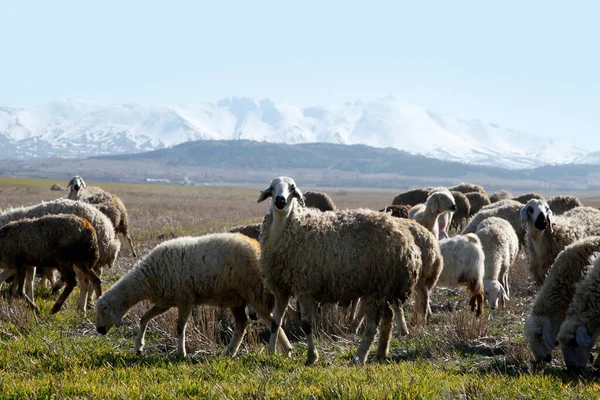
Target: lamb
505, 209
468, 188
547, 235
62, 240
561, 204
110, 204
397, 210
220, 269
108, 244
580, 330
524, 198
319, 200
463, 210
500, 195
335, 257
464, 265
477, 201
251, 230
552, 301
500, 245
438, 203
412, 197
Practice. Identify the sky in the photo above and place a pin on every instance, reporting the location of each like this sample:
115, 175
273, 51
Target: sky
528, 65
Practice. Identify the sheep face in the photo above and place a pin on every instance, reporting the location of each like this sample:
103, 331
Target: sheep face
282, 192
537, 216
75, 185
575, 344
539, 335
107, 315
494, 293
442, 201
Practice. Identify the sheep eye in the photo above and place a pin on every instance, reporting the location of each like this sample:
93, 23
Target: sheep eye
292, 188
530, 210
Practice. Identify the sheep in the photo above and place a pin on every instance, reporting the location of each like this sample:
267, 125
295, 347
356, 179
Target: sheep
112, 206
500, 245
412, 197
524, 198
561, 204
468, 188
108, 244
319, 200
463, 209
251, 230
552, 301
477, 201
438, 202
547, 235
219, 269
580, 330
335, 257
397, 210
63, 240
500, 195
505, 209
464, 265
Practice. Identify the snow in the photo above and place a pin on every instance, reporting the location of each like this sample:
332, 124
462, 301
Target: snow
77, 128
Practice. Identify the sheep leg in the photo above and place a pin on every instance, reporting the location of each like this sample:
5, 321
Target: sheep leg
19, 283
128, 236
29, 281
281, 304
358, 318
353, 306
96, 284
90, 291
400, 320
152, 313
184, 312
385, 332
373, 316
307, 307
83, 289
68, 275
6, 273
241, 323
282, 339
421, 306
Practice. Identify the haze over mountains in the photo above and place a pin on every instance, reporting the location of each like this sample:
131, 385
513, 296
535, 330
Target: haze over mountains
82, 129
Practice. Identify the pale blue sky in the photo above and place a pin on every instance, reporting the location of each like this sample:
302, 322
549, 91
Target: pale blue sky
528, 65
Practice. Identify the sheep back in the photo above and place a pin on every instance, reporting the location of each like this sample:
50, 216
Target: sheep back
319, 200
524, 198
477, 201
500, 245
251, 230
398, 210
500, 195
468, 188
412, 197
561, 204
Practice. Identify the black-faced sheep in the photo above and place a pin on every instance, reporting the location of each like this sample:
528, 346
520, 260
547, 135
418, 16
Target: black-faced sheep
335, 257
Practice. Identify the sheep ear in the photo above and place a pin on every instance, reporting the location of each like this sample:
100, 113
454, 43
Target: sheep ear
70, 183
549, 217
297, 193
549, 339
435, 203
83, 183
524, 217
265, 194
582, 337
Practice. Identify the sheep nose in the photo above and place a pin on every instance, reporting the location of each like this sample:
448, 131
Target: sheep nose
540, 222
453, 207
101, 330
548, 358
76, 187
280, 202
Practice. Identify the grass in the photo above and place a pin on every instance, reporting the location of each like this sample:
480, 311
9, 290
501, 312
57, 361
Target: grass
456, 356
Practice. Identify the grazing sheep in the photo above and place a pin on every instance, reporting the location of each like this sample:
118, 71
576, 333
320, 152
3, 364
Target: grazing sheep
468, 188
412, 197
506, 209
463, 210
319, 200
108, 244
251, 230
477, 201
438, 203
547, 235
524, 198
552, 301
464, 265
112, 206
220, 269
61, 240
500, 195
398, 210
335, 257
561, 204
500, 245
580, 330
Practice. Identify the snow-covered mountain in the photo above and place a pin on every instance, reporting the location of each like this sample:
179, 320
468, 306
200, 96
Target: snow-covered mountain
81, 129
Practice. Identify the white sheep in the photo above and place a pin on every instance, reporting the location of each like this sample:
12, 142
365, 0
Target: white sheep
501, 246
552, 301
547, 235
464, 265
440, 202
505, 209
220, 269
335, 257
581, 328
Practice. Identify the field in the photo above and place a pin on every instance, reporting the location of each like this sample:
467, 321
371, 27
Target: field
456, 356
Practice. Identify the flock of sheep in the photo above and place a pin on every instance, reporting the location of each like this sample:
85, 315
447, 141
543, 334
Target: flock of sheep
306, 249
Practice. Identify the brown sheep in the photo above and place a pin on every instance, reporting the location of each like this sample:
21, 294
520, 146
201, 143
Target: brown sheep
477, 201
397, 210
561, 204
319, 200
500, 195
463, 209
251, 230
524, 198
468, 188
412, 197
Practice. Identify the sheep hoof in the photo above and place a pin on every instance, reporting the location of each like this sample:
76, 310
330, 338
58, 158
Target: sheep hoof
310, 360
358, 361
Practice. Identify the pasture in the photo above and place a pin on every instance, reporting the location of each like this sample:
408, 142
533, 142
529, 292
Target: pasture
455, 356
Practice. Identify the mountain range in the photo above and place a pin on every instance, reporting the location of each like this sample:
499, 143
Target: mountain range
82, 129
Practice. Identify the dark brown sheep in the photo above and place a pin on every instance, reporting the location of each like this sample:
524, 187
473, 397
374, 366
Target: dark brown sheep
398, 210
463, 209
477, 200
468, 188
524, 198
412, 197
319, 200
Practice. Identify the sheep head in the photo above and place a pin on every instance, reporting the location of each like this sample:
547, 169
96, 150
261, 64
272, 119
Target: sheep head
441, 201
75, 185
540, 337
494, 293
107, 315
575, 344
282, 191
537, 216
